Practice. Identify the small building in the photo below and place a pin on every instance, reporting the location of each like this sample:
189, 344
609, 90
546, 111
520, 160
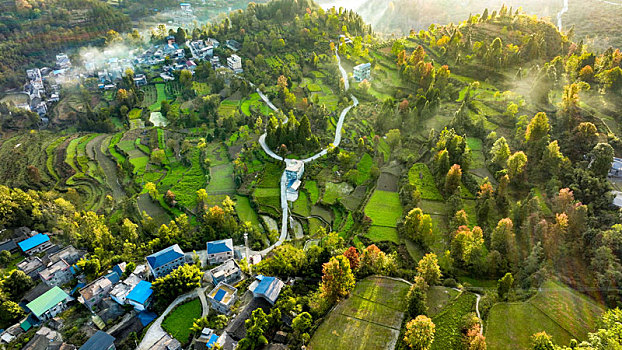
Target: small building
222, 297
213, 42
140, 80
140, 296
56, 274
186, 7
229, 272
267, 288
166, 343
235, 63
49, 304
219, 251
31, 266
294, 169
8, 245
165, 261
362, 72
215, 62
95, 291
616, 168
69, 254
346, 40
233, 45
35, 244
121, 290
99, 341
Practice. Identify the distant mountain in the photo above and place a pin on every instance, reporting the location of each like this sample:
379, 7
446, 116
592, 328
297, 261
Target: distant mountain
595, 21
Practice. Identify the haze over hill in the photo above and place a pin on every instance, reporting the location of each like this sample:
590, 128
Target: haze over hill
593, 20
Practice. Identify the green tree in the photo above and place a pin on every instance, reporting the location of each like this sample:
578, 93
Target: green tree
337, 280
516, 166
151, 188
16, 284
504, 286
503, 239
453, 179
418, 225
429, 270
601, 158
255, 328
419, 333
500, 152
180, 281
10, 312
542, 341
417, 298
91, 267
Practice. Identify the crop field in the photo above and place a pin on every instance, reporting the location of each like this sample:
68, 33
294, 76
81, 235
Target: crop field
246, 212
134, 113
335, 191
449, 321
369, 319
384, 208
557, 309
301, 205
228, 108
201, 89
383, 233
160, 95
178, 322
221, 179
364, 167
49, 151
311, 188
421, 177
192, 180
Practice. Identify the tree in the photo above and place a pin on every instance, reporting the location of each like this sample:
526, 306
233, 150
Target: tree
129, 230
353, 256
16, 284
337, 280
180, 281
301, 324
505, 285
417, 298
10, 312
5, 257
255, 328
516, 166
453, 179
151, 188
90, 267
418, 225
394, 138
500, 152
429, 270
601, 158
503, 239
419, 333
542, 341
158, 156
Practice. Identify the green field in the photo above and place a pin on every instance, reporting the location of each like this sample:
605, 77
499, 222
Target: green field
384, 208
335, 191
178, 322
314, 193
449, 322
424, 183
383, 233
246, 212
134, 113
364, 167
557, 309
369, 319
221, 179
438, 298
161, 96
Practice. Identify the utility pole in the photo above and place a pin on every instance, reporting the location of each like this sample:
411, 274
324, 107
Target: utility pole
248, 257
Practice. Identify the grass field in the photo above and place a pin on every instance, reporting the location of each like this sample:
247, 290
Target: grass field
438, 298
364, 167
384, 208
449, 321
246, 212
335, 191
383, 233
369, 319
161, 96
179, 321
557, 309
424, 183
314, 193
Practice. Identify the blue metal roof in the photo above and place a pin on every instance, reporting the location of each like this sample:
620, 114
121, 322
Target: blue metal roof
141, 292
212, 340
221, 246
264, 284
220, 294
33, 241
100, 340
165, 256
113, 277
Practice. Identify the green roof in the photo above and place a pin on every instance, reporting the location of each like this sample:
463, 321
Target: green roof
46, 301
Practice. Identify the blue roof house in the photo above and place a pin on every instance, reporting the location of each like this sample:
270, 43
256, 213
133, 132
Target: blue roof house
140, 296
165, 261
35, 244
219, 251
265, 287
222, 297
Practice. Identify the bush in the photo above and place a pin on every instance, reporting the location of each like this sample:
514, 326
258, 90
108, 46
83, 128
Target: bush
450, 283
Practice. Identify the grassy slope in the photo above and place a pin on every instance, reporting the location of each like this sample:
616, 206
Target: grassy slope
179, 321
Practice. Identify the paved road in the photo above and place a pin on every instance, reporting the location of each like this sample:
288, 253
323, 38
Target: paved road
336, 142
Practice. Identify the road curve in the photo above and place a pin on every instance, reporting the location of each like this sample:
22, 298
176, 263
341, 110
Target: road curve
269, 152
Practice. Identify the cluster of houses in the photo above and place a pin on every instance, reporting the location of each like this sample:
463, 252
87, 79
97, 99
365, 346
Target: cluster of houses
119, 291
43, 87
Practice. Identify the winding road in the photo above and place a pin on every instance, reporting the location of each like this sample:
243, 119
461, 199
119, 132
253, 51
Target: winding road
336, 142
560, 14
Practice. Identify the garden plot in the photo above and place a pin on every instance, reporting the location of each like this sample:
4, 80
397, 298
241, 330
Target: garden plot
336, 191
369, 319
385, 210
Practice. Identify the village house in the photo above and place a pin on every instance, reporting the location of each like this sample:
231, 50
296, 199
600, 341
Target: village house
69, 254
99, 341
293, 171
121, 290
215, 62
362, 72
8, 245
140, 80
233, 45
165, 261
62, 61
229, 272
267, 288
222, 297
219, 251
31, 266
140, 296
56, 274
49, 304
35, 244
95, 291
235, 63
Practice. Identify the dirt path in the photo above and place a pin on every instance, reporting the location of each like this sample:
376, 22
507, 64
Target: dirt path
94, 150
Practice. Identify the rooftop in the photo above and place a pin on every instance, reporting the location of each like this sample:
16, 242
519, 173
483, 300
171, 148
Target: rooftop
99, 341
294, 165
223, 293
141, 292
165, 256
221, 246
30, 264
33, 241
48, 272
46, 301
267, 287
95, 287
228, 268
363, 66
